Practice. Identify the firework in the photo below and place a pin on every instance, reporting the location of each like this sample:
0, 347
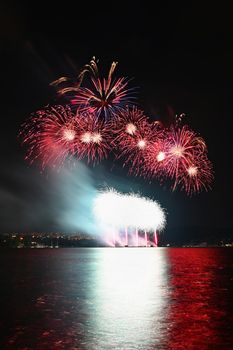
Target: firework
154, 157
133, 136
128, 212
105, 119
184, 147
128, 124
50, 136
94, 138
197, 175
105, 97
182, 156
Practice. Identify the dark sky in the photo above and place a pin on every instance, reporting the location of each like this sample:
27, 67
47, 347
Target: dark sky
181, 57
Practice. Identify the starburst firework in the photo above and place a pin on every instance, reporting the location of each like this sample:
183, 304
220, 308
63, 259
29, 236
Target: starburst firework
105, 97
94, 140
50, 135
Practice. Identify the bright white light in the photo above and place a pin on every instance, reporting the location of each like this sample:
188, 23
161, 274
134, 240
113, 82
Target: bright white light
96, 137
130, 128
141, 144
160, 156
130, 297
68, 134
116, 210
177, 151
192, 171
86, 137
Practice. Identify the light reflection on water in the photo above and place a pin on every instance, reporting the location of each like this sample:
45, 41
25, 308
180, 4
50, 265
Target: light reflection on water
132, 298
123, 298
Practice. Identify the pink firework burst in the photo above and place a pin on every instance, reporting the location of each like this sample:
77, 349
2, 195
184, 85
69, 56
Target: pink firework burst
50, 136
181, 155
197, 176
133, 136
94, 138
105, 97
154, 157
184, 146
128, 123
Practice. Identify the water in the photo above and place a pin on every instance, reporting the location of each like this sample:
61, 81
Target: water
123, 298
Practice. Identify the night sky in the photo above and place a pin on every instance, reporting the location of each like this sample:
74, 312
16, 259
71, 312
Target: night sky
180, 57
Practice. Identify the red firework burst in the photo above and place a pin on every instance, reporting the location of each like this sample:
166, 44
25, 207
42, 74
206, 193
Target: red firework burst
133, 135
94, 138
181, 155
154, 157
104, 97
104, 119
184, 146
50, 136
197, 176
128, 123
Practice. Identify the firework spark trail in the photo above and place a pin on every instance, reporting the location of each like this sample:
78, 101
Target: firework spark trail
104, 96
94, 138
50, 136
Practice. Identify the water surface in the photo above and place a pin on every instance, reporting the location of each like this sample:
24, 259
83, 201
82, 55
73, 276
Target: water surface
122, 298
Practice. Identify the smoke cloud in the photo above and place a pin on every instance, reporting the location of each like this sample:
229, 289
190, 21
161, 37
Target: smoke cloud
55, 201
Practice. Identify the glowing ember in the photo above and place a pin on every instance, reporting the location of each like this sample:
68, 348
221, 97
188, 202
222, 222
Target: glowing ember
131, 128
96, 137
177, 151
160, 156
69, 134
192, 171
86, 137
141, 144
